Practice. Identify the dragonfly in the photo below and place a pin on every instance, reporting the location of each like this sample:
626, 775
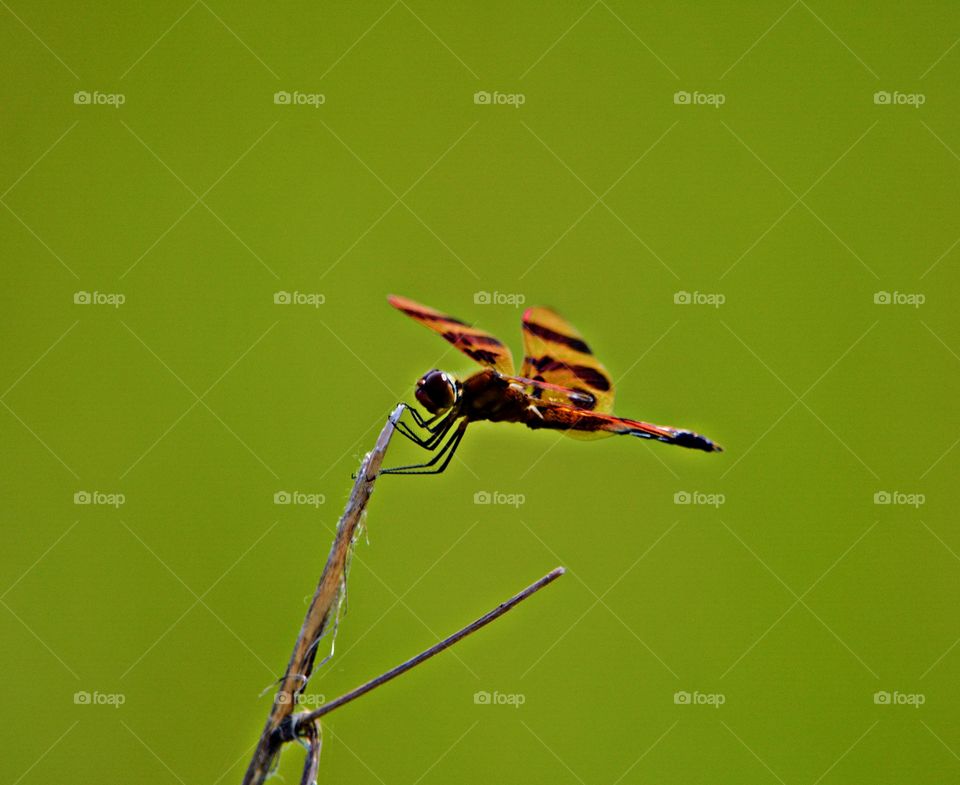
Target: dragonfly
561, 386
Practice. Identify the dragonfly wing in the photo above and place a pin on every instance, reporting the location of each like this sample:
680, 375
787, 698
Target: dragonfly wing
555, 353
476, 344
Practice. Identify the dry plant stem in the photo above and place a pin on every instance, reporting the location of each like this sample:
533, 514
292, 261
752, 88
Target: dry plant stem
311, 766
323, 607
307, 720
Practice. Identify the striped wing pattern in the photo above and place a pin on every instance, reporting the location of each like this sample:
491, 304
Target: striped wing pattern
555, 353
476, 344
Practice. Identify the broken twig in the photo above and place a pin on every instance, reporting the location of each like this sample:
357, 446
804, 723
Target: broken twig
283, 725
323, 607
308, 719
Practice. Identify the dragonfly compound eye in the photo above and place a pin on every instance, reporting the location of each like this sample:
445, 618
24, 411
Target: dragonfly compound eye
436, 392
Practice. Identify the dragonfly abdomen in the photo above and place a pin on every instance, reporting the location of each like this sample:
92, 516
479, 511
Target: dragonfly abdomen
568, 418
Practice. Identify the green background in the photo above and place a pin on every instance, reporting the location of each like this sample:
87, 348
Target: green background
199, 398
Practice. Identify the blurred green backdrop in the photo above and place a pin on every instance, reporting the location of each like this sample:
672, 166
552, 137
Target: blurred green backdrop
750, 212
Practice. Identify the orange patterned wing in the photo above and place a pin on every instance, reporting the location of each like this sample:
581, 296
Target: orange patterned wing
474, 343
555, 353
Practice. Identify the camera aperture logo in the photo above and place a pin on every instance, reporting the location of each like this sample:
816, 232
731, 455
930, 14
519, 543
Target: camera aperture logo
697, 698
99, 298
496, 98
900, 499
296, 98
916, 299
299, 498
299, 298
96, 98
699, 499
896, 98
499, 498
97, 698
696, 98
497, 698
99, 498
716, 299
897, 698
499, 298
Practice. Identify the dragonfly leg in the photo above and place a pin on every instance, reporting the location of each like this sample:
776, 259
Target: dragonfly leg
437, 432
445, 453
419, 419
407, 431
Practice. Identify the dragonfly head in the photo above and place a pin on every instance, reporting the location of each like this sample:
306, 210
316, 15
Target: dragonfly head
436, 391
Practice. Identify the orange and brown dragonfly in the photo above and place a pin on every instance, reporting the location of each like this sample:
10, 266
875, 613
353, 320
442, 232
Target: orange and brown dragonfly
561, 386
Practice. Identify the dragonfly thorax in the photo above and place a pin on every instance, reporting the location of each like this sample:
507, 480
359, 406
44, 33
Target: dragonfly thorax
436, 391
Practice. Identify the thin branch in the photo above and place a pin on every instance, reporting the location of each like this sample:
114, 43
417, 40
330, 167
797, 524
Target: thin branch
323, 608
314, 742
307, 720
282, 725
